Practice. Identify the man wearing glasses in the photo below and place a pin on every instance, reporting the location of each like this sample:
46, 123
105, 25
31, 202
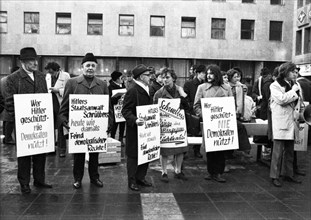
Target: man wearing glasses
136, 96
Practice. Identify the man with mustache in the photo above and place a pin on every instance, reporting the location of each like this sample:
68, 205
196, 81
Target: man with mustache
87, 83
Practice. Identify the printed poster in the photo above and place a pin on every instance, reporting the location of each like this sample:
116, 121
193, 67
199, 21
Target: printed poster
219, 124
301, 144
34, 124
148, 134
88, 122
173, 124
117, 110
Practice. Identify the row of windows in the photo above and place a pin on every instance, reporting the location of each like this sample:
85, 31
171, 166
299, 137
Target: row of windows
157, 26
272, 2
301, 3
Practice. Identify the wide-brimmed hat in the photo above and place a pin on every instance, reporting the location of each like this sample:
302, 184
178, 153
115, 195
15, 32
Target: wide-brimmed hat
28, 53
89, 57
139, 69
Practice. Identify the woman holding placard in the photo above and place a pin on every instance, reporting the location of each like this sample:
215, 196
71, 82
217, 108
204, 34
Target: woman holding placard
213, 87
172, 91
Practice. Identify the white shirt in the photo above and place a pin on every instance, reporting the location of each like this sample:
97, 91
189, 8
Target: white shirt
29, 73
146, 88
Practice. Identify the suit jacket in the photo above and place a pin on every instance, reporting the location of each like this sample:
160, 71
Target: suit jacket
20, 82
79, 85
135, 96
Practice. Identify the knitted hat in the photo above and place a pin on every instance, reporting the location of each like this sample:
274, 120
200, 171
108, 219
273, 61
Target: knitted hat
115, 75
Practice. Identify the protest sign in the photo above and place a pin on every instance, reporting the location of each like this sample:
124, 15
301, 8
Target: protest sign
117, 110
173, 124
219, 124
34, 124
88, 122
148, 134
301, 144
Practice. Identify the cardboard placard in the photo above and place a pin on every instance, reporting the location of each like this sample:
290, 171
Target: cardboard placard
219, 124
173, 124
88, 122
34, 124
302, 143
117, 110
148, 134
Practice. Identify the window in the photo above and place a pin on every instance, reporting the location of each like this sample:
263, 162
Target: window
307, 43
298, 42
157, 26
95, 24
126, 25
275, 30
247, 29
187, 27
31, 22
219, 0
63, 23
3, 22
247, 1
275, 2
299, 3
218, 28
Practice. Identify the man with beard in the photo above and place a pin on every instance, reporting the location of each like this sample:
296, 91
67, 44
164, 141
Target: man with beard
24, 81
87, 83
213, 87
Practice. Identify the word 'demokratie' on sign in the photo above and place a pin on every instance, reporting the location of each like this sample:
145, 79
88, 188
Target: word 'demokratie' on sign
148, 134
34, 124
219, 124
88, 122
173, 124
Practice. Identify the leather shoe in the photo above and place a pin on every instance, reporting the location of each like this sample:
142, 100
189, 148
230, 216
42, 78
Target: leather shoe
77, 184
218, 178
300, 172
134, 187
42, 185
198, 155
25, 189
208, 176
276, 182
143, 183
97, 183
292, 179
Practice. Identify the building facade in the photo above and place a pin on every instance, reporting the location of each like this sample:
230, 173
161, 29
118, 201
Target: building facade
302, 37
250, 34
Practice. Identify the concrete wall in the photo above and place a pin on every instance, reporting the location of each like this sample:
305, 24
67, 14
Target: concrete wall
141, 44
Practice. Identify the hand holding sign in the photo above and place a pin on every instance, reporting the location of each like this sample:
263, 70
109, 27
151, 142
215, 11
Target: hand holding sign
140, 121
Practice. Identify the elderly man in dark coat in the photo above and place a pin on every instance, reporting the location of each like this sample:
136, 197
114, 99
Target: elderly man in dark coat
27, 80
136, 96
87, 83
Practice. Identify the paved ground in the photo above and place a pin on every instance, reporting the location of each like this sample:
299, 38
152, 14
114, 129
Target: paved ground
248, 193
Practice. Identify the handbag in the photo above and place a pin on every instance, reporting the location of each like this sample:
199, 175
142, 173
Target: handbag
193, 124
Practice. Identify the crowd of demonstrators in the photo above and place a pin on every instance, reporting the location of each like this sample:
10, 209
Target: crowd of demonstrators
56, 81
116, 82
87, 83
27, 80
138, 95
8, 122
190, 87
172, 91
213, 87
283, 91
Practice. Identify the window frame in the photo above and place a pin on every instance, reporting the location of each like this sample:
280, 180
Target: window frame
248, 1
129, 25
271, 31
280, 2
94, 15
31, 23
218, 28
298, 45
62, 15
185, 19
157, 16
4, 23
307, 40
252, 31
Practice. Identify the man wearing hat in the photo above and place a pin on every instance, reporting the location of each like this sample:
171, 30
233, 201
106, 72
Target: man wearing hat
87, 83
23, 81
138, 95
115, 83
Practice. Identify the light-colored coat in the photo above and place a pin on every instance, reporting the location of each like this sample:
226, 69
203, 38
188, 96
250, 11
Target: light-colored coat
285, 112
60, 84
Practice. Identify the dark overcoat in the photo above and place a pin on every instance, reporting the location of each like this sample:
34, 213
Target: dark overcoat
79, 85
20, 82
190, 87
135, 96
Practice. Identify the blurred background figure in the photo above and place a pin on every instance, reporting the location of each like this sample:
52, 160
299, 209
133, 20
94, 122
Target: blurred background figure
156, 84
